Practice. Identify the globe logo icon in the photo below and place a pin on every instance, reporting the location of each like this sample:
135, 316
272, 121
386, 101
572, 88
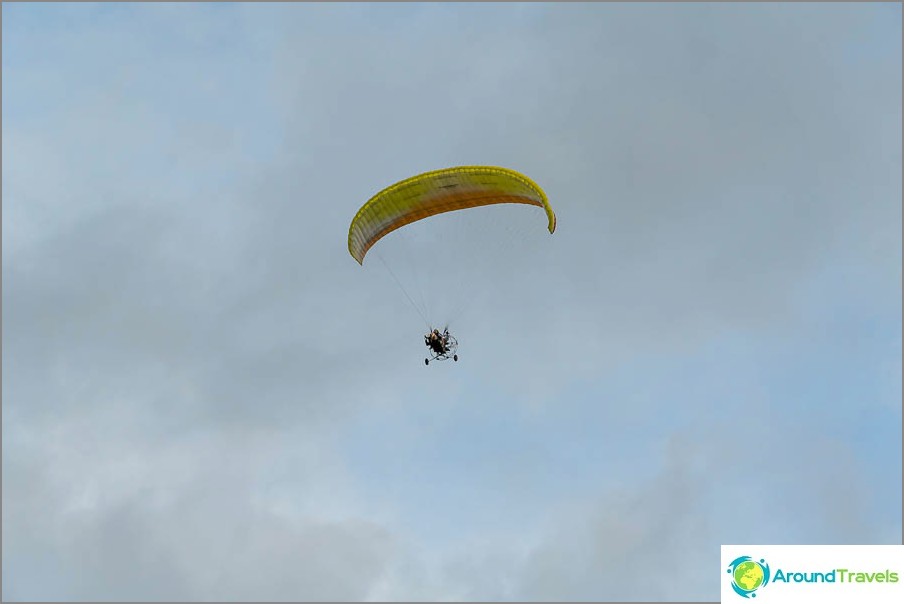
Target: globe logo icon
748, 575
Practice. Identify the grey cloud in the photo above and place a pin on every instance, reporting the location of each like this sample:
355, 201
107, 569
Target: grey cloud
630, 543
228, 516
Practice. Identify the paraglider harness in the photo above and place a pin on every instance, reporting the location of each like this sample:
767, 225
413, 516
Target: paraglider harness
442, 345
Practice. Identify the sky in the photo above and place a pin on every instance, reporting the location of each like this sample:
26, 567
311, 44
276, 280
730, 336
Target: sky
206, 398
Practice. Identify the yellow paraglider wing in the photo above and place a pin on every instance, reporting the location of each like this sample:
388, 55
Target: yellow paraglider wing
437, 192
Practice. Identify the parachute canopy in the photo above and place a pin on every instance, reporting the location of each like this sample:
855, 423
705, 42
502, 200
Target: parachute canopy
437, 192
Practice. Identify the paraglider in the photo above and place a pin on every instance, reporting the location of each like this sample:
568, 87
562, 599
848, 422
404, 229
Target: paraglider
438, 192
442, 345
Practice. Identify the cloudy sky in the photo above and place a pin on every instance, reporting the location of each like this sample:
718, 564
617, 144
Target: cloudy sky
206, 397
